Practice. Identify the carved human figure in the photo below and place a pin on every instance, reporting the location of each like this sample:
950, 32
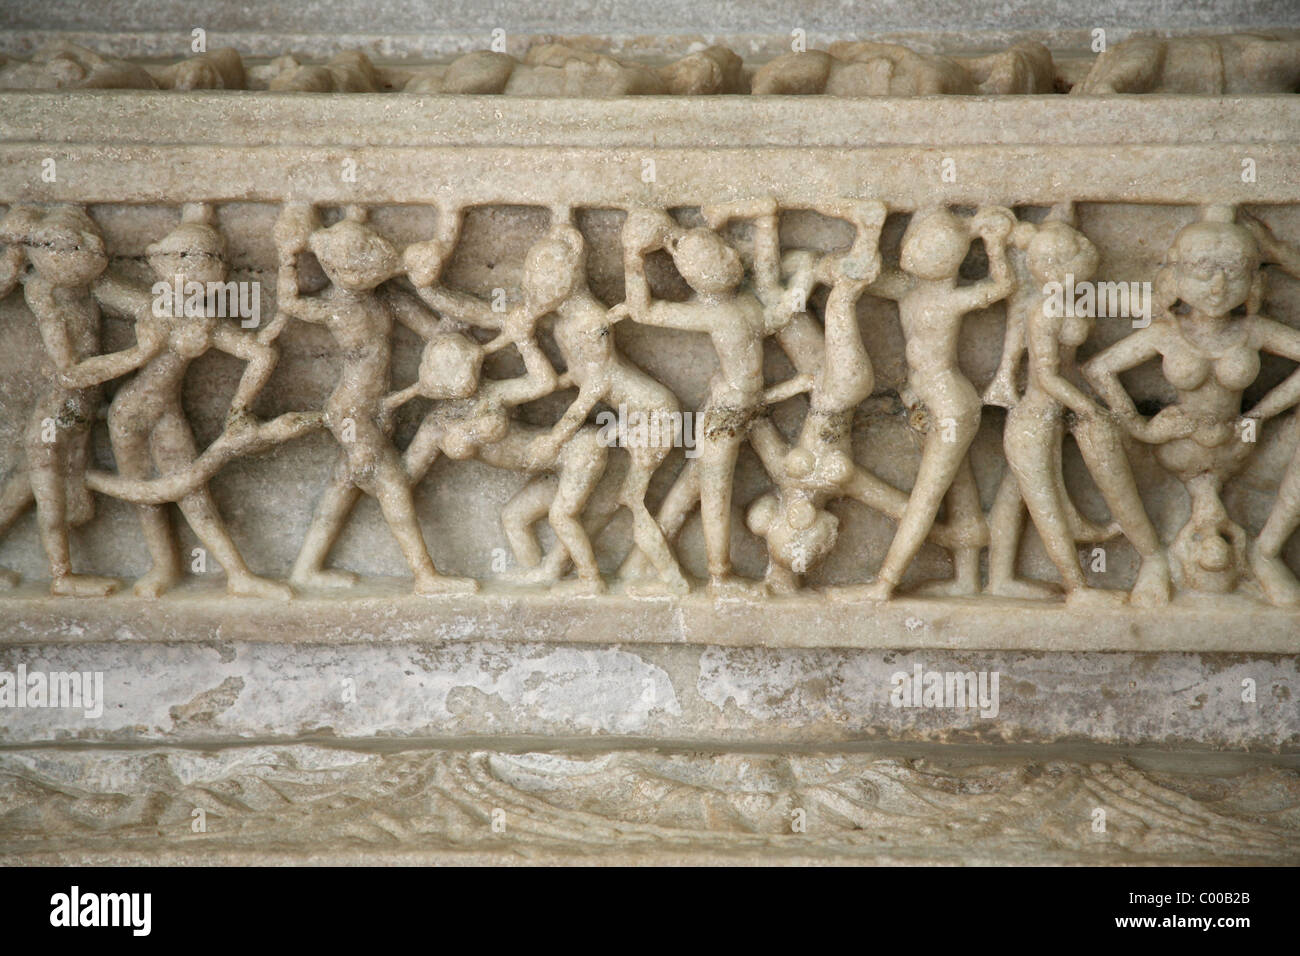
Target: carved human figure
472, 420
1265, 552
1035, 429
146, 420
356, 260
931, 306
564, 472
737, 321
557, 286
1210, 355
66, 254
1241, 63
832, 365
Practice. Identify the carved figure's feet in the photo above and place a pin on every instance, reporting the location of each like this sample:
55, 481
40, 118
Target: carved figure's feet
156, 583
540, 576
729, 587
322, 578
1275, 578
1023, 590
250, 585
671, 586
83, 585
954, 587
444, 584
878, 590
1152, 588
578, 587
1095, 598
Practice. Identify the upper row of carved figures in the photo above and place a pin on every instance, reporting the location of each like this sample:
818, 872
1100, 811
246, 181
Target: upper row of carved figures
1208, 333
1239, 63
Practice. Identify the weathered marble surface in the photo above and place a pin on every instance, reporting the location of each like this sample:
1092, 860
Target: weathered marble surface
228, 690
633, 731
314, 805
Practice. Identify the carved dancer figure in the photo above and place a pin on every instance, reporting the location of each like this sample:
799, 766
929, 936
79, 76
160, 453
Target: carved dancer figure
66, 255
585, 336
356, 260
1210, 355
737, 322
931, 307
472, 420
146, 420
1241, 63
835, 370
887, 69
1265, 553
1034, 433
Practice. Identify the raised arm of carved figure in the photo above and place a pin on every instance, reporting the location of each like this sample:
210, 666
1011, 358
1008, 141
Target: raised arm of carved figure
538, 379
993, 225
54, 333
644, 231
767, 240
293, 229
1272, 249
410, 313
15, 229
121, 298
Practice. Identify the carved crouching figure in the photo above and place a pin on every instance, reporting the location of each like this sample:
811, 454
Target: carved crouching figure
472, 420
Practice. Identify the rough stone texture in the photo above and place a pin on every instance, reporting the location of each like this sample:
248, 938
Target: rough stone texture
383, 727
411, 27
314, 805
222, 689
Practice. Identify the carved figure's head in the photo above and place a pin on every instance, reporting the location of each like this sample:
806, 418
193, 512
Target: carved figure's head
553, 268
934, 244
706, 262
193, 252
450, 366
63, 245
799, 534
353, 255
1056, 249
1212, 266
